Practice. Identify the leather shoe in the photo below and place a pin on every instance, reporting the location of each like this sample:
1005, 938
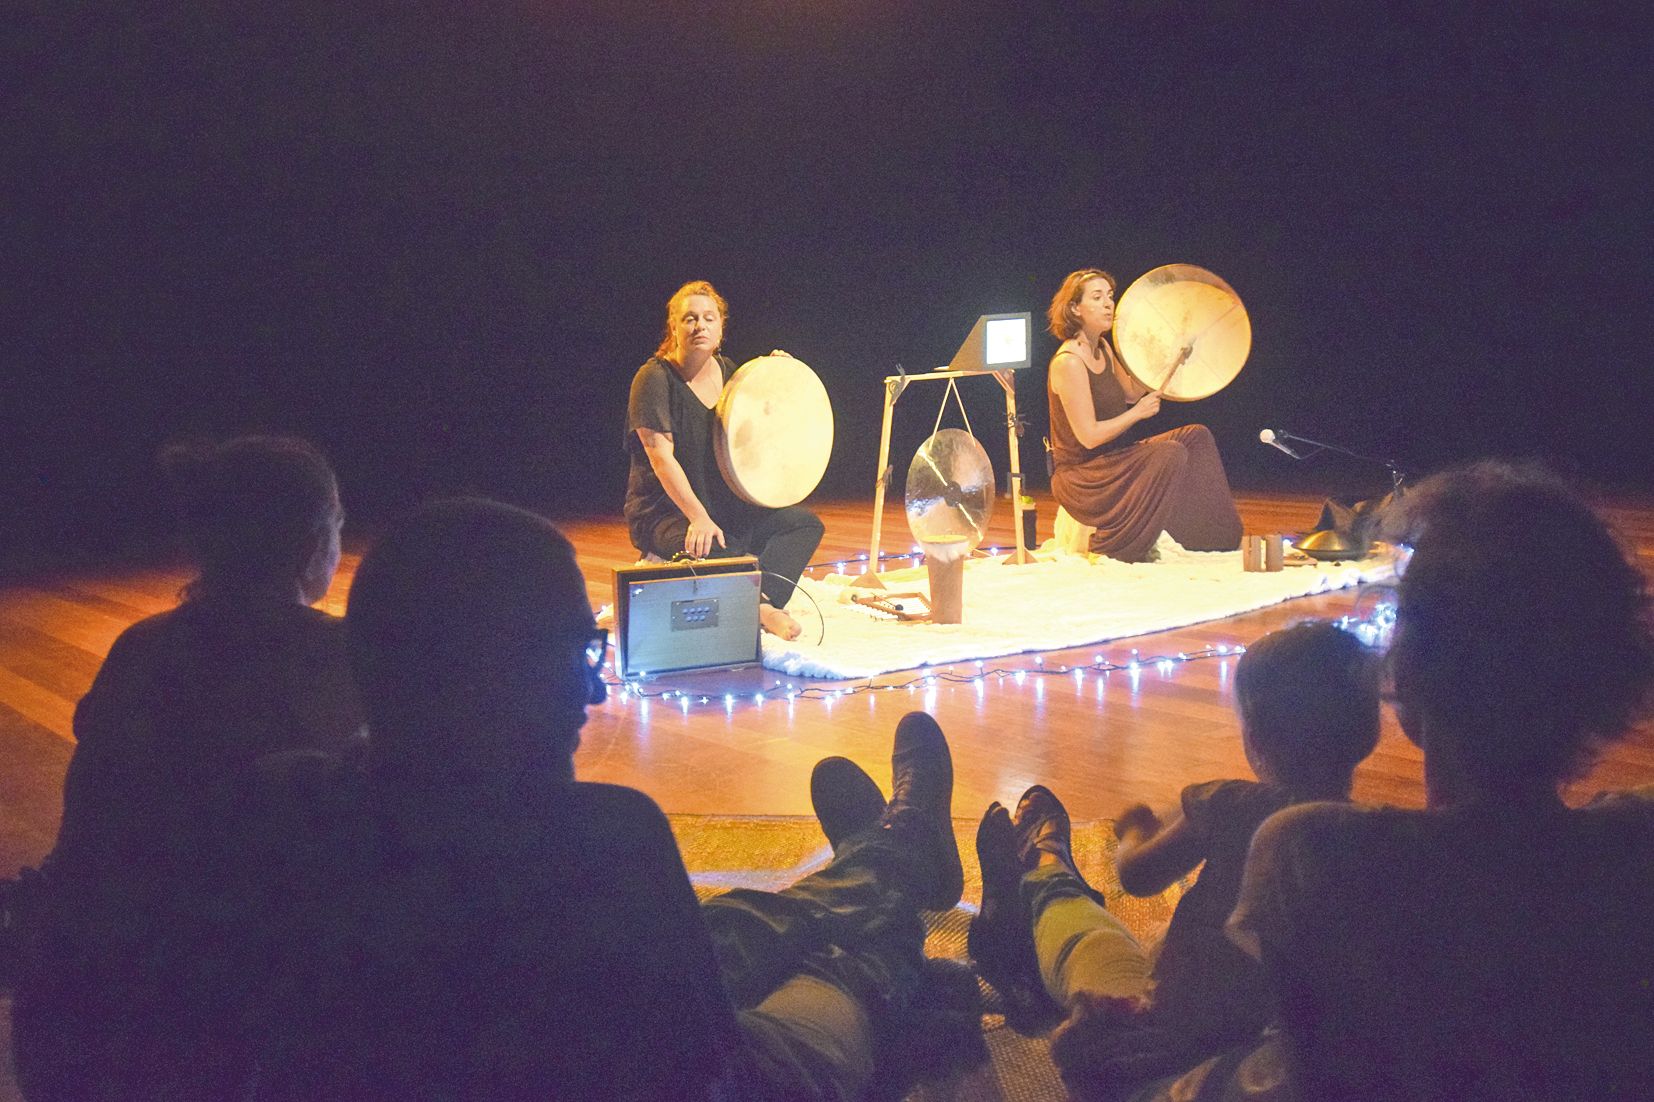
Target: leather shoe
921, 784
846, 800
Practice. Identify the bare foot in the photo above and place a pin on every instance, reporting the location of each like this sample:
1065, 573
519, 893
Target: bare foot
778, 623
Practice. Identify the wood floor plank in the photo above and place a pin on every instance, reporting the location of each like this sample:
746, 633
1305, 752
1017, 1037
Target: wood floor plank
92, 626
38, 705
31, 789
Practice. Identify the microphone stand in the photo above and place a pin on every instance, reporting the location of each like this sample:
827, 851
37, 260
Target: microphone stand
1397, 478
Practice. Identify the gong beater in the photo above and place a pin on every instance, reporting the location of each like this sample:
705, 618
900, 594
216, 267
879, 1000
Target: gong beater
950, 499
1182, 331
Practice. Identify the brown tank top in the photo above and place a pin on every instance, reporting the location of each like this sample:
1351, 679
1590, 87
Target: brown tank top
1107, 400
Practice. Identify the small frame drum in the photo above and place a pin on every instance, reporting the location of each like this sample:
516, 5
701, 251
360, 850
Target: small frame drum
775, 431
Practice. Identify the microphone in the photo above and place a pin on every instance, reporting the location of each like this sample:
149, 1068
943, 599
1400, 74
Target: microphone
1272, 438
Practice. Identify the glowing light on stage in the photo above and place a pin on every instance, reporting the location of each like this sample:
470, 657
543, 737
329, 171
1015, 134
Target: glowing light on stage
977, 673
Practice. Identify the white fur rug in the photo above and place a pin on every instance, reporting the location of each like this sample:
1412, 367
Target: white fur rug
1062, 600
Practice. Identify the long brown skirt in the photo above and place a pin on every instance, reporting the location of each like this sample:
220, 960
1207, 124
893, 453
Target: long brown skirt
1172, 483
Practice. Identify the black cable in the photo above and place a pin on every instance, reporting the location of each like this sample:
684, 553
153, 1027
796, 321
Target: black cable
799, 589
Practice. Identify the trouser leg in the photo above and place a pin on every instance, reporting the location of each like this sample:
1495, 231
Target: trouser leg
666, 538
855, 915
819, 969
783, 540
1081, 947
811, 1039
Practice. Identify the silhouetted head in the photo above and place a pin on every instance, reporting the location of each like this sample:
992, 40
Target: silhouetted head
470, 634
261, 514
1523, 639
1308, 702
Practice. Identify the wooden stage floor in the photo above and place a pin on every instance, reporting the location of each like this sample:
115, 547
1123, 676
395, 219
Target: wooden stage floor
1098, 752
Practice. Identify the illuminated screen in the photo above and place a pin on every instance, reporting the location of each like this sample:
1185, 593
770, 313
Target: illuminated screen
1007, 341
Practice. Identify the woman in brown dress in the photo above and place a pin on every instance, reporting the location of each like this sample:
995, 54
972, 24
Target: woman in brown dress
1129, 492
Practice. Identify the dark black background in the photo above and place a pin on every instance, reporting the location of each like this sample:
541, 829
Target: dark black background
439, 238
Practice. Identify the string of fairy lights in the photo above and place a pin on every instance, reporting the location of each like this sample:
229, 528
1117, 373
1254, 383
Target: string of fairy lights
973, 672
1372, 629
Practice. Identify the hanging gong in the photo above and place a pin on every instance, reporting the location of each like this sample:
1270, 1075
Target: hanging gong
950, 492
1182, 331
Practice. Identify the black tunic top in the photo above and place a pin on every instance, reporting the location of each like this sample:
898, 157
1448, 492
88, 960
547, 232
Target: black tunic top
662, 401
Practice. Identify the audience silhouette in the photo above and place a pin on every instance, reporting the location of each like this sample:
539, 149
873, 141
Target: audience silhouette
1308, 701
132, 986
461, 918
1495, 945
250, 898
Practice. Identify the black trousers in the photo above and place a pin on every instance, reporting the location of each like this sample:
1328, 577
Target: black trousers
783, 540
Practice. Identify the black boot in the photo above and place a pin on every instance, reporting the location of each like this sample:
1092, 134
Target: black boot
846, 800
1001, 935
922, 791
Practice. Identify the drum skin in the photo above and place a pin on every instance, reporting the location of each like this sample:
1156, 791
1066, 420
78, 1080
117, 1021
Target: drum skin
774, 434
1182, 331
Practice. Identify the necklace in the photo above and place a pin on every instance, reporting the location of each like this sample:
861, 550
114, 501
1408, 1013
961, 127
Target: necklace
1088, 356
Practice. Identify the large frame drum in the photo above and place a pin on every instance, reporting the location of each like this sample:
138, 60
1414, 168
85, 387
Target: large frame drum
1182, 331
774, 434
